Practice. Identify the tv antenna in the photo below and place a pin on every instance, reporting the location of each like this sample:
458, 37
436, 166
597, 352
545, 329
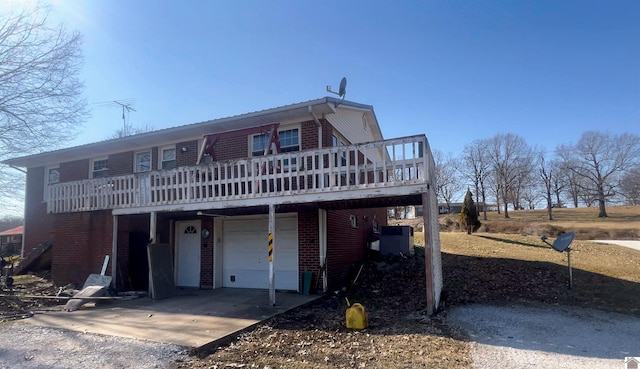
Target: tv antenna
342, 91
562, 244
125, 104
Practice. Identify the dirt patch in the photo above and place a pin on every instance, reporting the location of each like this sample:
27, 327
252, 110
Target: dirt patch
22, 300
400, 334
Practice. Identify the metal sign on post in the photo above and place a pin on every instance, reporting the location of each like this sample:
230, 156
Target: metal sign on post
562, 244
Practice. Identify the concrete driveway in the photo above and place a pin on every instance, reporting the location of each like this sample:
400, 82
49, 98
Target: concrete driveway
197, 319
630, 244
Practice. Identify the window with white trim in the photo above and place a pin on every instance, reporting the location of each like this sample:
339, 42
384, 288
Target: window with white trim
100, 168
168, 157
142, 161
258, 145
53, 175
289, 142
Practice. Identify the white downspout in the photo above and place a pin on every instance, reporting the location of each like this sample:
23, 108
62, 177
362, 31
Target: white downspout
315, 119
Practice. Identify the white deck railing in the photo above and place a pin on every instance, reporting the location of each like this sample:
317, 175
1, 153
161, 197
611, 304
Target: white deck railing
388, 163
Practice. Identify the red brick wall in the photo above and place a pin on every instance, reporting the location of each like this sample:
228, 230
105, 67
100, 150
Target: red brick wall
74, 170
346, 246
80, 243
327, 134
120, 163
38, 224
308, 243
231, 148
188, 157
206, 255
309, 135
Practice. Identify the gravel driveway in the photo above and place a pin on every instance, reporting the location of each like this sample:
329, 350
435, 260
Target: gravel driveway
549, 337
26, 346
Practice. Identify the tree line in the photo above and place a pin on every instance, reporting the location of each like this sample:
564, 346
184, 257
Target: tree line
599, 169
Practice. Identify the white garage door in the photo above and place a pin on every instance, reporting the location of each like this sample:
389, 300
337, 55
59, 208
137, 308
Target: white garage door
245, 262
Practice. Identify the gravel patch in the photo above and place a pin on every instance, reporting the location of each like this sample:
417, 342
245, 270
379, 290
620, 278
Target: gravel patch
553, 337
31, 347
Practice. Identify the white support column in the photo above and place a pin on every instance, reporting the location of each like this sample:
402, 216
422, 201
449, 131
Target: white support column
114, 252
153, 219
428, 250
271, 247
322, 244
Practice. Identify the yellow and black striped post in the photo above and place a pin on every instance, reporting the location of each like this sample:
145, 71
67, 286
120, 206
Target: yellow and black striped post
271, 244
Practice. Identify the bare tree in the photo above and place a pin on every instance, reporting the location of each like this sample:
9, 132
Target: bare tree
601, 158
41, 103
530, 195
475, 166
510, 158
547, 173
570, 179
558, 183
448, 182
630, 186
130, 130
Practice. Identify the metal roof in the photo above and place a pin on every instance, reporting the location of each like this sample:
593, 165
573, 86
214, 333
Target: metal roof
325, 105
13, 231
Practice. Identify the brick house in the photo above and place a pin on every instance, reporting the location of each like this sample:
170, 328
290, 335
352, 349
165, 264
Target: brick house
11, 241
316, 174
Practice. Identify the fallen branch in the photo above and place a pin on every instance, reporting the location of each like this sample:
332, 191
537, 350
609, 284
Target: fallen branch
65, 297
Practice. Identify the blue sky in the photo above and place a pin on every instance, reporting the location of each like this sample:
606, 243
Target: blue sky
453, 70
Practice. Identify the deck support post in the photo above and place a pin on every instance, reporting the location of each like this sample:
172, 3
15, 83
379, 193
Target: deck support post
114, 252
428, 252
153, 220
271, 246
322, 241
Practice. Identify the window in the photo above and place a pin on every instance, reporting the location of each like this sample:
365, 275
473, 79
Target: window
99, 168
53, 175
337, 140
289, 142
142, 161
259, 144
168, 158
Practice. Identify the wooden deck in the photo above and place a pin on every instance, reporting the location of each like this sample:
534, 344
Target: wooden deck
394, 167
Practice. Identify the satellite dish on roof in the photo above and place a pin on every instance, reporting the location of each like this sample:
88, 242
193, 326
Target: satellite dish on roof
343, 87
342, 91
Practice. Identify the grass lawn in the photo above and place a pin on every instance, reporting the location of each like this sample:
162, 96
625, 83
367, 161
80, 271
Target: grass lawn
500, 268
623, 222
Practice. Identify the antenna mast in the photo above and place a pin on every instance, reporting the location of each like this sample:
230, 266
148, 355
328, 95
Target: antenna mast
128, 108
125, 104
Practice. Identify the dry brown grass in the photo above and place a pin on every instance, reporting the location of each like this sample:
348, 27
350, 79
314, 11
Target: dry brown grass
500, 268
622, 223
